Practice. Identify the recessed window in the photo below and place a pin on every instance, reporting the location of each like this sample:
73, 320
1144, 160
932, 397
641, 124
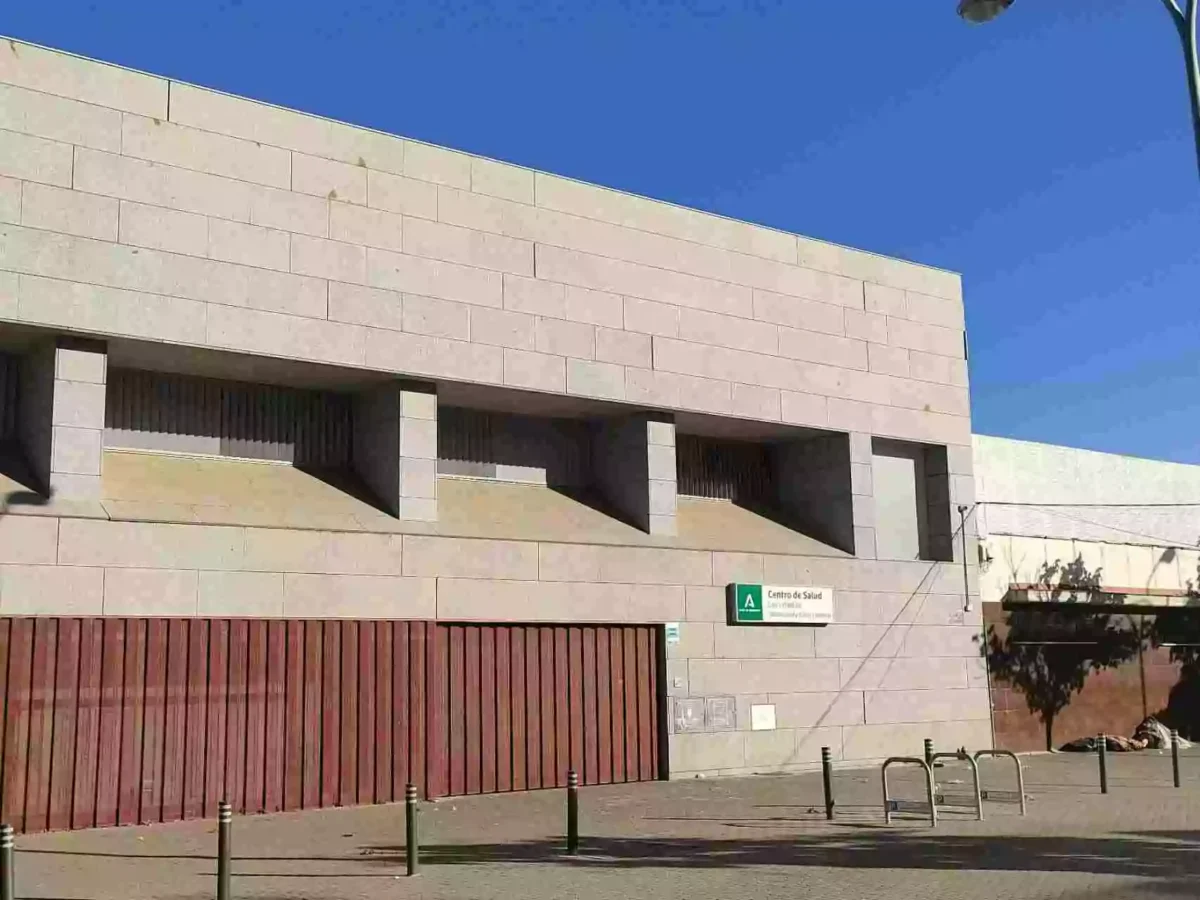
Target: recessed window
508, 447
912, 503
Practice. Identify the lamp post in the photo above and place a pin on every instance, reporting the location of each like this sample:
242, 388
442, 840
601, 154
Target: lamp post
1185, 19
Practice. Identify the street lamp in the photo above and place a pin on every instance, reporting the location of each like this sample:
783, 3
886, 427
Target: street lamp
976, 11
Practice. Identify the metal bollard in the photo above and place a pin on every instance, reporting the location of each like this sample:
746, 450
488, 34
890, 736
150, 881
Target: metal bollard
827, 777
412, 846
1175, 755
7, 876
929, 752
1102, 754
572, 813
224, 850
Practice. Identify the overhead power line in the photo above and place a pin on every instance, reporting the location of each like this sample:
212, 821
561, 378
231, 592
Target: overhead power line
1184, 505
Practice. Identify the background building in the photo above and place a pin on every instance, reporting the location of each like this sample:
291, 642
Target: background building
1090, 583
336, 460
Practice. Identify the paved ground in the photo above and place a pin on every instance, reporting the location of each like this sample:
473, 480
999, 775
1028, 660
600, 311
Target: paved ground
760, 838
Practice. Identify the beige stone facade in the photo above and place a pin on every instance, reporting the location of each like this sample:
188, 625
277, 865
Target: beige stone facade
193, 232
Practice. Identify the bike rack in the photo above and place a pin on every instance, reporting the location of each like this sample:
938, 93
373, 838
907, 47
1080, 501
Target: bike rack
969, 760
1008, 754
910, 761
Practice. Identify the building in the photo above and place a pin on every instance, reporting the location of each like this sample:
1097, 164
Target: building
337, 461
1090, 566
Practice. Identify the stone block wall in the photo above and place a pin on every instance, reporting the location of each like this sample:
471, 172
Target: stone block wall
219, 222
141, 209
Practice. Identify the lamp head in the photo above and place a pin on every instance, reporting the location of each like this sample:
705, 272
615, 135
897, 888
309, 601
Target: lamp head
977, 11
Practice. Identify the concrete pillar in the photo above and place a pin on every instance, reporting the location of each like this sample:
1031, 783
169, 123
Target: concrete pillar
863, 489
395, 447
61, 416
633, 463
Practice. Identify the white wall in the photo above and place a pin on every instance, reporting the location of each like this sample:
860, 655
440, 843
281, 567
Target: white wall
1042, 504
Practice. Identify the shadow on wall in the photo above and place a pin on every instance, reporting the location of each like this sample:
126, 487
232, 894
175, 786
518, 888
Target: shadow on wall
15, 473
1047, 650
1178, 630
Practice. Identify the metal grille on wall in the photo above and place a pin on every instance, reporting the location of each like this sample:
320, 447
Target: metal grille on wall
723, 470
124, 721
506, 446
155, 411
8, 397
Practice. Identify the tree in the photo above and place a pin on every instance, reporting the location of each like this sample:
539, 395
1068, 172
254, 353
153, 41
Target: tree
1048, 649
1178, 628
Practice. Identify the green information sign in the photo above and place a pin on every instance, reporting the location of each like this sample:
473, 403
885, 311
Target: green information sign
768, 604
749, 602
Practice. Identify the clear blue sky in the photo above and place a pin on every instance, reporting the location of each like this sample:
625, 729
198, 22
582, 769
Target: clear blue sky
1046, 156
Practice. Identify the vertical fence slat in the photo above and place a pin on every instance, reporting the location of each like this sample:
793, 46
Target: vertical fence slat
256, 715
646, 724
604, 724
383, 727
472, 696
457, 712
175, 733
312, 777
215, 787
293, 778
631, 714
331, 706
154, 721
617, 691
652, 692
274, 757
546, 649
366, 714
235, 716
133, 712
196, 725
562, 711
519, 706
533, 707
588, 731
437, 756
575, 701
402, 772
5, 662
87, 727
349, 733
421, 647
503, 724
487, 709
41, 724
109, 755
66, 708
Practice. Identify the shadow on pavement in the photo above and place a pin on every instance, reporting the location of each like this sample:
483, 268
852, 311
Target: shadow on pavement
1162, 855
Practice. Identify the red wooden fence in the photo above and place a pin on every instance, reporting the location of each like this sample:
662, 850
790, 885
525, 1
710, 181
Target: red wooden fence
526, 703
121, 721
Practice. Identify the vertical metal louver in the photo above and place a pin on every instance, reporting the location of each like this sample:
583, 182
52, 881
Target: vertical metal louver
513, 447
154, 411
723, 470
